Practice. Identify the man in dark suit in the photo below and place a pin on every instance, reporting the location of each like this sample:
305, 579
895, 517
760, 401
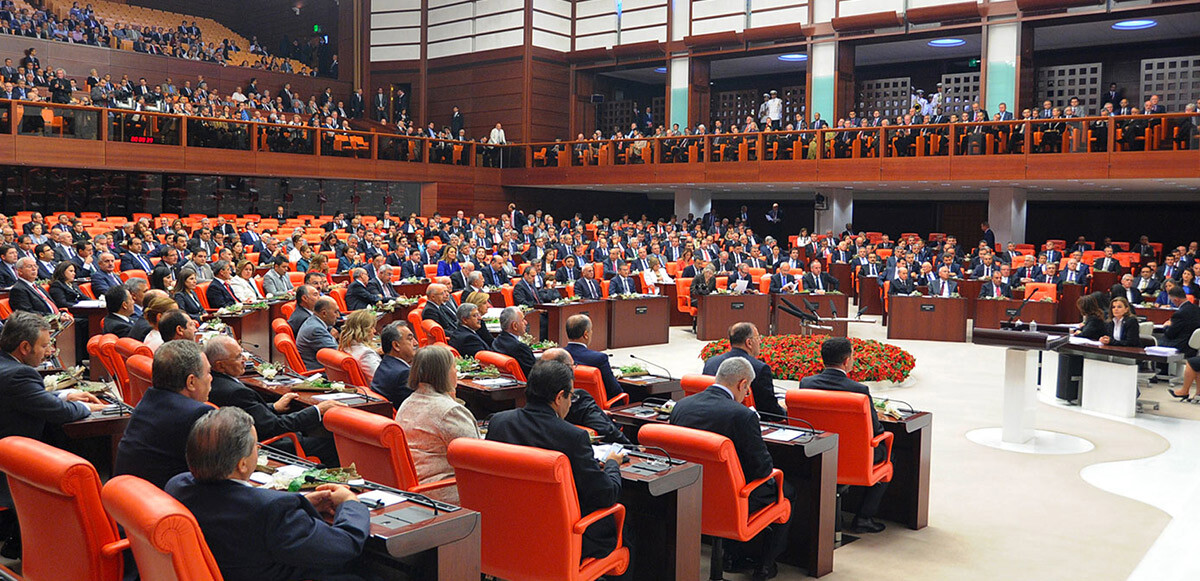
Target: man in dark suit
996, 288
540, 424
391, 378
569, 272
587, 286
525, 291
25, 295
470, 336
134, 259
119, 321
718, 409
745, 343
902, 283
1126, 289
622, 284
456, 121
259, 533
579, 337
306, 300
155, 440
413, 267
440, 307
25, 405
817, 281
783, 281
508, 342
1178, 330
358, 296
1107, 263
219, 293
838, 355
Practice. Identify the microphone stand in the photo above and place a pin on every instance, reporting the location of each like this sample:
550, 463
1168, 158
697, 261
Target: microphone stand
668, 371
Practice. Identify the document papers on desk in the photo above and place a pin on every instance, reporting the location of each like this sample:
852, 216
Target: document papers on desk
1161, 351
602, 451
740, 286
496, 382
780, 435
380, 499
326, 396
1076, 340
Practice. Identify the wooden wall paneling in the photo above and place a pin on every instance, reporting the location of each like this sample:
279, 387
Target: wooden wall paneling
1082, 166
847, 170
138, 156
8, 149
929, 168
549, 90
72, 152
844, 95
583, 112
989, 167
699, 92
486, 92
1154, 164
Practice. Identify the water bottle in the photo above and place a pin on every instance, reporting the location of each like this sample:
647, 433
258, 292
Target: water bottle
1033, 326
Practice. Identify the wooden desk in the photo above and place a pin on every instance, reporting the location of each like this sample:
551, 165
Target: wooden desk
677, 318
969, 289
842, 272
785, 324
275, 309
99, 425
656, 386
809, 464
64, 341
1103, 281
1068, 312
716, 313
484, 401
637, 322
597, 311
870, 296
662, 512
452, 540
906, 500
990, 312
927, 318
411, 289
253, 330
275, 389
1157, 316
400, 313
95, 319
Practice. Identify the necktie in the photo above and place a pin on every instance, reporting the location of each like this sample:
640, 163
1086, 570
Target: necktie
818, 277
995, 290
49, 303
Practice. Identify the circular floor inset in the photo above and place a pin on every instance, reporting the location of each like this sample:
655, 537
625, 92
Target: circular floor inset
1043, 442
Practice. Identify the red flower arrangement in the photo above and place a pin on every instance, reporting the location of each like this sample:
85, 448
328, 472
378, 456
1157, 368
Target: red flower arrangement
798, 356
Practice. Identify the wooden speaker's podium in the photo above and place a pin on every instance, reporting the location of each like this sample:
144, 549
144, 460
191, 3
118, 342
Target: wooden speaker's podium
1020, 377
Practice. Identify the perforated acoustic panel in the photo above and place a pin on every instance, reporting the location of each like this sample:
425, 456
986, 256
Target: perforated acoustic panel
891, 97
732, 107
1058, 84
793, 102
959, 91
1176, 81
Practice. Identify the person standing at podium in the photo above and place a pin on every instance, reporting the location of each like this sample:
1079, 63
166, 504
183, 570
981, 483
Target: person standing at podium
746, 343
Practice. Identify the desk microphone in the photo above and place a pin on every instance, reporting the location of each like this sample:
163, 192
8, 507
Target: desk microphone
669, 377
813, 431
670, 460
247, 343
833, 308
911, 410
1021, 307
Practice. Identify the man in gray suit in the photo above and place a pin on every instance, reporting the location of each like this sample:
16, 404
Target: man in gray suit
315, 333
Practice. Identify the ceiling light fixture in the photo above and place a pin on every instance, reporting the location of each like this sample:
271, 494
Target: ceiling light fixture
793, 58
1139, 24
946, 42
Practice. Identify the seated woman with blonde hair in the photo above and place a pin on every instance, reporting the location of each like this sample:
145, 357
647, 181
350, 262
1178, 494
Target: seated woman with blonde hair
355, 340
432, 417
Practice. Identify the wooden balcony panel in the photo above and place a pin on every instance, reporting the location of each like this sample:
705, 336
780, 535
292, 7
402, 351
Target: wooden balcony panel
987, 167
893, 169
789, 171
1154, 164
345, 167
139, 156
217, 161
1047, 166
82, 153
271, 164
732, 172
675, 173
8, 149
848, 170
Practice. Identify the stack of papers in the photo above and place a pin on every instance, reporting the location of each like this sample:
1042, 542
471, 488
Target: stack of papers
379, 496
495, 382
602, 451
783, 435
1163, 351
1076, 340
326, 396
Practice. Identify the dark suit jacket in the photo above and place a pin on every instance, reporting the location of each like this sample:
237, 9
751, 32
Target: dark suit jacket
585, 356
391, 380
588, 291
1130, 333
836, 380
561, 275
440, 314
8, 274
468, 342
1119, 291
763, 385
901, 287
537, 425
102, 281
1093, 328
988, 291
117, 326
298, 317
269, 535
525, 294
191, 305
507, 344
778, 282
22, 297
358, 296
827, 282
1183, 323
156, 438
619, 285
218, 295
141, 328
65, 295
714, 411
228, 391
129, 263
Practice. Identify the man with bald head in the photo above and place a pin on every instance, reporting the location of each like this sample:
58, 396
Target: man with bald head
439, 307
315, 333
105, 278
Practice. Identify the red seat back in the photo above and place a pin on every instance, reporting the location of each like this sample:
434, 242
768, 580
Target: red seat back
281, 326
165, 537
141, 376
286, 345
504, 363
849, 416
375, 444
434, 333
340, 366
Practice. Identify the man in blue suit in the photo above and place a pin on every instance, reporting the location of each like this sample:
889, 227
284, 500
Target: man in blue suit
745, 342
258, 533
391, 378
154, 444
579, 336
252, 239
588, 287
134, 259
105, 278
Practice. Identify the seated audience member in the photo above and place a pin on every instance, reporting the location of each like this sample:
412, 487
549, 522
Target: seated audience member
391, 377
220, 291
174, 325
315, 333
745, 343
587, 286
355, 339
156, 303
440, 307
358, 295
470, 336
1125, 288
508, 342
245, 290
996, 288
1122, 329
270, 419
817, 281
704, 284
276, 281
119, 320
584, 409
63, 289
185, 294
719, 409
525, 292
306, 300
579, 337
163, 278
1182, 324
432, 418
155, 440
837, 353
26, 408
656, 277
26, 294
259, 533
1091, 309
540, 424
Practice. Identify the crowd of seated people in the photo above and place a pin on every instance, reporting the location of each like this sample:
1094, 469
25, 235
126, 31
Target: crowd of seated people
82, 25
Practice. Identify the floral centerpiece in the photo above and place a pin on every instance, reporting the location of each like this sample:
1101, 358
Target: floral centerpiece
268, 370
537, 345
798, 356
566, 300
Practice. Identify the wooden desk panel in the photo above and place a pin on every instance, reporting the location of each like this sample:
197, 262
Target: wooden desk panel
990, 312
906, 500
662, 512
870, 297
253, 330
842, 272
785, 324
484, 401
274, 391
557, 315
678, 318
637, 322
1068, 295
927, 318
718, 312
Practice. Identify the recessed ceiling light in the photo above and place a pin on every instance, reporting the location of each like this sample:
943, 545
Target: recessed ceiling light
661, 70
793, 58
1139, 24
946, 42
